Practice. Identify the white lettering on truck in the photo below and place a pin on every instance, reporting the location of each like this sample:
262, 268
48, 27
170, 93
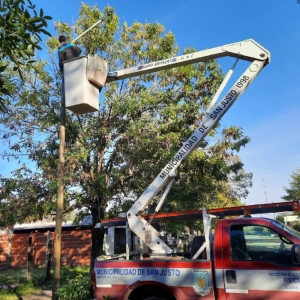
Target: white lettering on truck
142, 272
184, 149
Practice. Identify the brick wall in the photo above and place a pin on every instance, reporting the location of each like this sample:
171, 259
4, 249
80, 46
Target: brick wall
5, 247
39, 241
19, 250
75, 248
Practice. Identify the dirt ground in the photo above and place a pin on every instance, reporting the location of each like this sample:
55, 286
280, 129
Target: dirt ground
43, 295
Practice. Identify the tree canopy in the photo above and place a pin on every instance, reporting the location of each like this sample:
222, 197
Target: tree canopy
111, 156
21, 27
293, 191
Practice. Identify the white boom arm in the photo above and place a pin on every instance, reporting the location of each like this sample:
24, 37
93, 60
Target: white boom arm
247, 50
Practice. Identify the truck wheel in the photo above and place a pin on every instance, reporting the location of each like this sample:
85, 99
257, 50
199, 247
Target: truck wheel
151, 292
154, 298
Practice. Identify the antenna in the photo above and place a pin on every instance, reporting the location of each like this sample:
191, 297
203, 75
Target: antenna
265, 192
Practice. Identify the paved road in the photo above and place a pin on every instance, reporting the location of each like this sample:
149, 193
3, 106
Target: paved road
43, 295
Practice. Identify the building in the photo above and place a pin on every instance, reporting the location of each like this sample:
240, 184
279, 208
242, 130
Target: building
35, 240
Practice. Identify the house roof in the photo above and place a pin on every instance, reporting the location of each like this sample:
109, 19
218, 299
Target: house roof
45, 225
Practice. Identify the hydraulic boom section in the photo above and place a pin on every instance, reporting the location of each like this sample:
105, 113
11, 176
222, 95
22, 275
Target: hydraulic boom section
247, 50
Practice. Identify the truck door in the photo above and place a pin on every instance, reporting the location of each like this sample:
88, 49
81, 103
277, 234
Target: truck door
258, 265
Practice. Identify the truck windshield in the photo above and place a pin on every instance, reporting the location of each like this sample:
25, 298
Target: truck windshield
294, 233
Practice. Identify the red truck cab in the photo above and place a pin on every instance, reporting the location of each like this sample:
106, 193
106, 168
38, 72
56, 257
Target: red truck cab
255, 259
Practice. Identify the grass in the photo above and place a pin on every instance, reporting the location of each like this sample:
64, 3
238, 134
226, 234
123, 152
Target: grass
8, 295
17, 285
21, 290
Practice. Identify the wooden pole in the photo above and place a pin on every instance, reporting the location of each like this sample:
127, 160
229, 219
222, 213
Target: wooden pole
60, 198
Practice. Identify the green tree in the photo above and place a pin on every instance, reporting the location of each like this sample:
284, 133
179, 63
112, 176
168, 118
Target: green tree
114, 154
20, 34
280, 217
293, 191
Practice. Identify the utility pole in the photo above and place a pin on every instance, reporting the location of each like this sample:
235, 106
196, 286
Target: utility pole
60, 197
60, 190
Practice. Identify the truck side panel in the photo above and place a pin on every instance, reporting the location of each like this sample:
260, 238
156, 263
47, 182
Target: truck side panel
184, 279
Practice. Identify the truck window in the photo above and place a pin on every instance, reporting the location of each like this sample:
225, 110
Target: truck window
257, 242
286, 228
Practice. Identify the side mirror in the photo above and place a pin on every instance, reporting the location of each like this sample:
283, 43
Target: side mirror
295, 251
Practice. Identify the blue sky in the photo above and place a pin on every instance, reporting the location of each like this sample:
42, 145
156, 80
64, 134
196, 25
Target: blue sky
268, 110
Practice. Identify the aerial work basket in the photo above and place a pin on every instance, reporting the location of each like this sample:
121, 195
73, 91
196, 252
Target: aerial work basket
83, 78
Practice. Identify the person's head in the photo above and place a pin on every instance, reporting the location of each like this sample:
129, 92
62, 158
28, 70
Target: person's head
62, 38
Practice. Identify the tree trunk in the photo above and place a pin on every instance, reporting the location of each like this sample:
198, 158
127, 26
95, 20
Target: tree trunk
97, 238
29, 259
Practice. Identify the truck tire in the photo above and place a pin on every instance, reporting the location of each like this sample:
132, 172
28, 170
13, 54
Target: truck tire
154, 298
151, 293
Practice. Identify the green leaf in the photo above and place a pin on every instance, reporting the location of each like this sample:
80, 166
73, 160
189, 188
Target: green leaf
29, 53
44, 22
45, 32
26, 14
23, 54
34, 20
3, 68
